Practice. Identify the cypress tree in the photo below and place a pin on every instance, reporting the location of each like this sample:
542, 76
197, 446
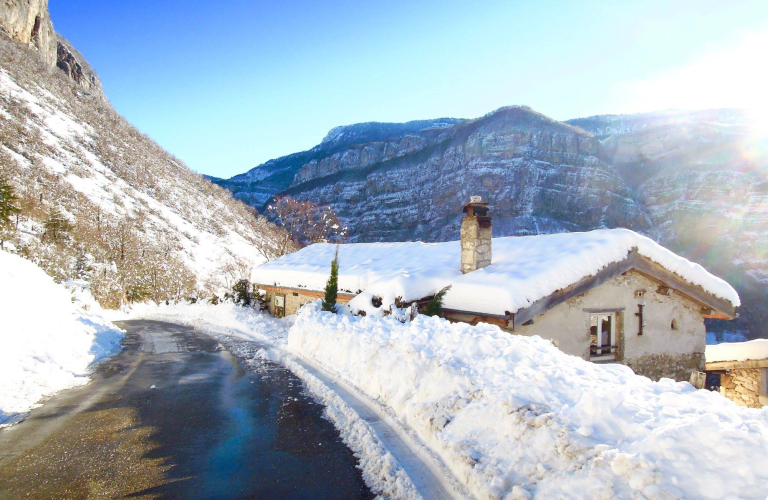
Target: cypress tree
332, 287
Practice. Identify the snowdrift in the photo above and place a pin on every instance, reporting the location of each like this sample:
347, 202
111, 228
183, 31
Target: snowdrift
516, 418
48, 343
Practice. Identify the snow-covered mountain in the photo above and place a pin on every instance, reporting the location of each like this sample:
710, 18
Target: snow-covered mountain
694, 180
141, 224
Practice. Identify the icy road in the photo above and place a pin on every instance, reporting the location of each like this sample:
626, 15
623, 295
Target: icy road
175, 415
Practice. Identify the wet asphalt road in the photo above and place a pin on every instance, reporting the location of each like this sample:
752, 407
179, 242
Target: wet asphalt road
176, 415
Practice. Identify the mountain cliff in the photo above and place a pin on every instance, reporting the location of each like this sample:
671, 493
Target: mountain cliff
29, 22
694, 180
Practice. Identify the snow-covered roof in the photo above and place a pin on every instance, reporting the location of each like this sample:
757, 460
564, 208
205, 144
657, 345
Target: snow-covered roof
523, 270
738, 351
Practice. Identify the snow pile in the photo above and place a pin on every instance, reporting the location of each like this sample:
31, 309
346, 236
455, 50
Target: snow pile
514, 417
48, 343
524, 269
737, 351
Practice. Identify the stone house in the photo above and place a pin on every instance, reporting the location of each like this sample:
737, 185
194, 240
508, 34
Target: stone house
608, 296
742, 369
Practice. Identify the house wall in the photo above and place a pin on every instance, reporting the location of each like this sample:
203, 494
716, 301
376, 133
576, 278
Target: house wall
659, 352
746, 387
294, 299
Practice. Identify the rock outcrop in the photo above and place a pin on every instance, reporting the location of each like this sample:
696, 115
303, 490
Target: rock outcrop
29, 22
74, 65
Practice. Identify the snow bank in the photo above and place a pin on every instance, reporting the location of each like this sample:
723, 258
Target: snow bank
737, 351
48, 343
514, 417
524, 269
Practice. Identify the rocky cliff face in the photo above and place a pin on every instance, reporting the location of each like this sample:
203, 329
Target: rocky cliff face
29, 22
703, 178
538, 174
695, 181
74, 65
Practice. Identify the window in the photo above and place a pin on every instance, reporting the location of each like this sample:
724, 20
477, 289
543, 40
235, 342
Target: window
602, 335
674, 324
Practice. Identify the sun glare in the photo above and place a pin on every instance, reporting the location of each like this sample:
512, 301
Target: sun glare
732, 77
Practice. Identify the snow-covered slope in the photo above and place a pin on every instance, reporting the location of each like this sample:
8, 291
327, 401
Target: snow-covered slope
141, 221
516, 418
48, 342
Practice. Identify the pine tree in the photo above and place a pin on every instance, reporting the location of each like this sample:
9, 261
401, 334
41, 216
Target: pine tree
435, 306
8, 208
242, 293
332, 287
56, 226
82, 269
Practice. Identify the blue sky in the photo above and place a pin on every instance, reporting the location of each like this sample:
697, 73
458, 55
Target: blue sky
228, 85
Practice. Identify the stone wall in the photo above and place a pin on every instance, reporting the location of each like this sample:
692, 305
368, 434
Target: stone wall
295, 299
743, 386
661, 351
658, 366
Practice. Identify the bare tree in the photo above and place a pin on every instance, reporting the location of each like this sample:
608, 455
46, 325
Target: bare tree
305, 222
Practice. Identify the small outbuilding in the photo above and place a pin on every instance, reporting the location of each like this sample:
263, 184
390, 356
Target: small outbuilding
742, 369
609, 296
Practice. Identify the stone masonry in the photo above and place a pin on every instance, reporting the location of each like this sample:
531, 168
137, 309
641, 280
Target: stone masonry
658, 366
743, 386
475, 244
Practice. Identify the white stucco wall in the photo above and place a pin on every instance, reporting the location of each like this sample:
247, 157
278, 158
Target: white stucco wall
568, 325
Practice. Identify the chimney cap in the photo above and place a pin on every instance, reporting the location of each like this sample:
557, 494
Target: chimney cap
476, 206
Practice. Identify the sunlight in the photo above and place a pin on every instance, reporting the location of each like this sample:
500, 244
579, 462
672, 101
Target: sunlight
732, 77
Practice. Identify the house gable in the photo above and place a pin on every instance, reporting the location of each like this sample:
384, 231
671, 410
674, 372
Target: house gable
711, 306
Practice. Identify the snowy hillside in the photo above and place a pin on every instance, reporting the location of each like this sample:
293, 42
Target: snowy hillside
48, 343
141, 225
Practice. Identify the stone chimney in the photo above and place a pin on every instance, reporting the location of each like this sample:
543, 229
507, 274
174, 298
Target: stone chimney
476, 233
